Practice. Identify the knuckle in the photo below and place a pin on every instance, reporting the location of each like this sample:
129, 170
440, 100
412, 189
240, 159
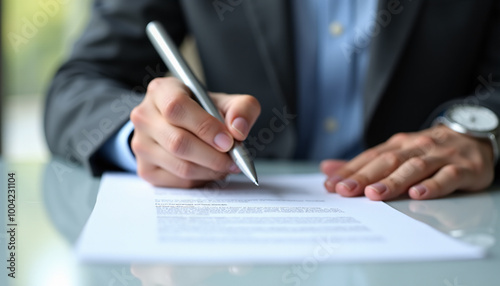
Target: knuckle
137, 116
173, 108
399, 137
137, 146
154, 84
207, 127
391, 159
177, 143
184, 170
396, 181
418, 164
453, 172
476, 167
479, 167
371, 153
251, 102
425, 143
404, 173
436, 187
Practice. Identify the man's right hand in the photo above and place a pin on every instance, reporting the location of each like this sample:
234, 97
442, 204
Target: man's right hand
178, 144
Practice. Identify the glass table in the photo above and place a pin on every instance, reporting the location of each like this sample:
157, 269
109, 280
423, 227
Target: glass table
55, 199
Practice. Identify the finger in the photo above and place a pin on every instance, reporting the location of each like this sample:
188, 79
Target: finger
409, 173
366, 157
177, 107
351, 167
183, 145
159, 177
375, 170
240, 112
447, 180
329, 168
149, 151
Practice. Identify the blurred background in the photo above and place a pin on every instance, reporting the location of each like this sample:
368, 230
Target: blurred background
37, 36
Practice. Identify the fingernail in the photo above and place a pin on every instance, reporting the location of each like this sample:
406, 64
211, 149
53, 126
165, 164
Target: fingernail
349, 184
331, 182
379, 188
240, 125
223, 141
234, 168
418, 190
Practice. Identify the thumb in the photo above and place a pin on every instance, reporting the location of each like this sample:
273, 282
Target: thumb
239, 111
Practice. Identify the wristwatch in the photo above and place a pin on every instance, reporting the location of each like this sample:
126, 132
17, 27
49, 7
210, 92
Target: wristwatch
473, 120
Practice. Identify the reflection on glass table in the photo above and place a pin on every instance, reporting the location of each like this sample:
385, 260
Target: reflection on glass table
468, 218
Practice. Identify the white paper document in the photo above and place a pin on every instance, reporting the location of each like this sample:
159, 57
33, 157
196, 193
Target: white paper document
287, 219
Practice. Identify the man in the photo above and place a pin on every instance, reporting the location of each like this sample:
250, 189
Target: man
412, 62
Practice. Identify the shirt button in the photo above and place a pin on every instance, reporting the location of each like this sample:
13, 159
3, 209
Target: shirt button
336, 29
330, 125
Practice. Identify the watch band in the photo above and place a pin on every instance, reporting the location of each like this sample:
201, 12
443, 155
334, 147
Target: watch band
494, 143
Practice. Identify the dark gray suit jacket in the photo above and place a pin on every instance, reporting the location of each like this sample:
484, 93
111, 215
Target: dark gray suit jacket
424, 55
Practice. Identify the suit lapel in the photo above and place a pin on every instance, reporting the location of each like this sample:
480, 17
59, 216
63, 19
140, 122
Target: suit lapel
272, 28
386, 50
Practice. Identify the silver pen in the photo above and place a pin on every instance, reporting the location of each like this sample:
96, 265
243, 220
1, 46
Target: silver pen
179, 68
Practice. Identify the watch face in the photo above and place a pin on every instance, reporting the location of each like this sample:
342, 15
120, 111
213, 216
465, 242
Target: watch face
475, 118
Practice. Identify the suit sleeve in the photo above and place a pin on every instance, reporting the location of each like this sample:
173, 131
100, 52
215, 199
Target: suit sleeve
106, 76
486, 91
488, 82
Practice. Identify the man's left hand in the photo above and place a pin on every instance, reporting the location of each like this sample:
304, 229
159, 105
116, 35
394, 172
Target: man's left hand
428, 164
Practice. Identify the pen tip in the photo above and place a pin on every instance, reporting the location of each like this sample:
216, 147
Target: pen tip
256, 183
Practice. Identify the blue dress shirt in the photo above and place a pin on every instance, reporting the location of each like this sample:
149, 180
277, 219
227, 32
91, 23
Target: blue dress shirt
117, 149
331, 39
